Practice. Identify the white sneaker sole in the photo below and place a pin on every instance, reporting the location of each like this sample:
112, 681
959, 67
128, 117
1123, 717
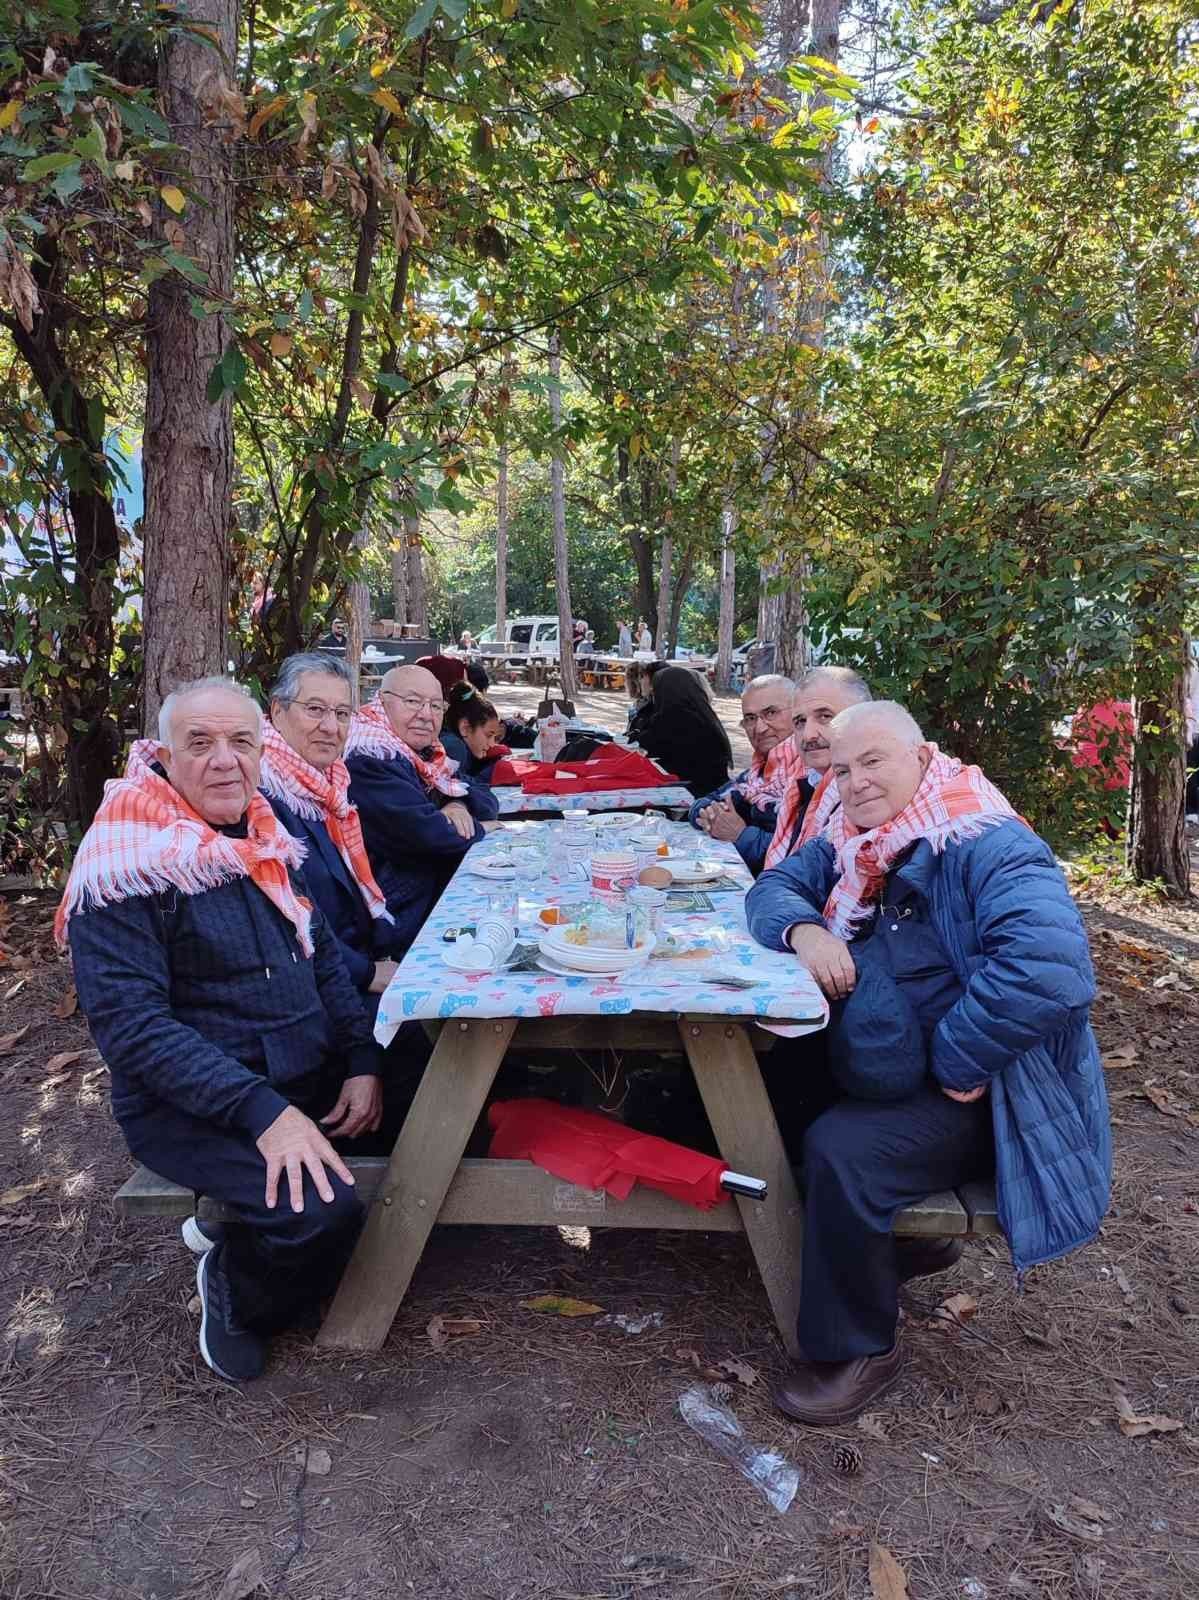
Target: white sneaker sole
194, 1237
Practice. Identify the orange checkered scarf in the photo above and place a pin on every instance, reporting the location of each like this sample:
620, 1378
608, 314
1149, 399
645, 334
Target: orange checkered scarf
371, 734
146, 839
953, 802
320, 795
821, 805
768, 776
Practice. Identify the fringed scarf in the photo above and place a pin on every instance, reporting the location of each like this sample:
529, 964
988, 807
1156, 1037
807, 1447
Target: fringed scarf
953, 802
146, 839
320, 795
371, 734
767, 779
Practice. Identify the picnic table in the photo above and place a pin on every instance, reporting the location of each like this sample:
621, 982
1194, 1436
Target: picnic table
678, 1004
666, 797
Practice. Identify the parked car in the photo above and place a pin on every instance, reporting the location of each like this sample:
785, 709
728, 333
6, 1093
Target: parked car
523, 636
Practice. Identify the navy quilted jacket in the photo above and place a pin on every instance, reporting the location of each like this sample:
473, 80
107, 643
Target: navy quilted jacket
207, 1003
413, 850
753, 844
1000, 905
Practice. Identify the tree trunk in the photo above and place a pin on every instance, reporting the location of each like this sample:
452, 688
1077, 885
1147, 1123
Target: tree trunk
187, 449
358, 615
418, 612
566, 656
666, 557
682, 584
728, 603
794, 654
1157, 846
501, 543
769, 605
634, 531
85, 642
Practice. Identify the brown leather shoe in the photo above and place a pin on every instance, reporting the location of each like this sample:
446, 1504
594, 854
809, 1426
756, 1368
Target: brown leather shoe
827, 1394
921, 1258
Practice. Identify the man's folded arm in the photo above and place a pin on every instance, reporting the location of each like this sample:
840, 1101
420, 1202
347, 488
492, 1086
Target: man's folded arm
402, 823
794, 892
122, 977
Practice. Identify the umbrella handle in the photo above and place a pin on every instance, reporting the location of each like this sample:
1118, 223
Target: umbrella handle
738, 1183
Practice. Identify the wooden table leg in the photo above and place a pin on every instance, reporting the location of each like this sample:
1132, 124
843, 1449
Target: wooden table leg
739, 1109
461, 1070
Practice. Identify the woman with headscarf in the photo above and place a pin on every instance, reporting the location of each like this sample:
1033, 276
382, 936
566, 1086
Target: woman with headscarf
683, 732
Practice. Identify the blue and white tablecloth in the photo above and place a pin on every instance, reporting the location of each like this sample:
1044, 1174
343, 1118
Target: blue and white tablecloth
712, 944
513, 802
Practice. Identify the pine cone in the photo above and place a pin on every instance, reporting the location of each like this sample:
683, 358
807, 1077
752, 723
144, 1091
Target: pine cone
847, 1459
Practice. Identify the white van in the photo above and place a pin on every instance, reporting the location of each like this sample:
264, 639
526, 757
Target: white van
523, 636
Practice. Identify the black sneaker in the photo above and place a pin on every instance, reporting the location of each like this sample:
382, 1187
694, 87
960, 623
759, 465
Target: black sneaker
232, 1352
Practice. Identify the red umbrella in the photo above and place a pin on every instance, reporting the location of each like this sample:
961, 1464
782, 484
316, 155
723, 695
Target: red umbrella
590, 1149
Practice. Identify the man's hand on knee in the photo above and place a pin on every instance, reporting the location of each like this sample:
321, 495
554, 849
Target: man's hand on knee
826, 957
291, 1143
359, 1108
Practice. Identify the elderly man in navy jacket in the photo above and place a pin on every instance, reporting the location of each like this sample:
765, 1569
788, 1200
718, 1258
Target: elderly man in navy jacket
940, 927
419, 815
218, 999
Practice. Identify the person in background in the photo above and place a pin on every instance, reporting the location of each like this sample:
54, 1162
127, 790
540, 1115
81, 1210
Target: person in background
335, 639
307, 784
745, 810
466, 640
587, 644
683, 732
639, 677
215, 991
941, 929
624, 639
579, 631
812, 796
448, 670
472, 733
418, 817
645, 638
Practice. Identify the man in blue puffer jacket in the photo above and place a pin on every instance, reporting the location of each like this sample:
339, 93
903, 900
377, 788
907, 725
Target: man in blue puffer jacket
930, 878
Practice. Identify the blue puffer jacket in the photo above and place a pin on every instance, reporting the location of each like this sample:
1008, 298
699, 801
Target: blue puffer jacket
1000, 905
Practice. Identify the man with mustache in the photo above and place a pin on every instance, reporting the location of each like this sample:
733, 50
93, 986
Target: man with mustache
811, 797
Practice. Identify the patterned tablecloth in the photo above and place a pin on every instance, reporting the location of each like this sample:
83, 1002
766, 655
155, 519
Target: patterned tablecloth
513, 801
709, 944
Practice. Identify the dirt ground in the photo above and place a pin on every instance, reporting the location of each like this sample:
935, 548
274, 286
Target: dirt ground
546, 1457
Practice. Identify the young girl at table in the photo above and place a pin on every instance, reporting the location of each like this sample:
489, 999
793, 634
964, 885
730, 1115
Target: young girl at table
471, 732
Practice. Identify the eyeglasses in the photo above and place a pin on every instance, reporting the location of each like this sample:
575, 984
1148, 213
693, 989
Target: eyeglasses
767, 715
416, 702
314, 711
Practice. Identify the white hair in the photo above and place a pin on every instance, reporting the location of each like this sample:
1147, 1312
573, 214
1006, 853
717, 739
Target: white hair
185, 691
769, 680
890, 713
849, 681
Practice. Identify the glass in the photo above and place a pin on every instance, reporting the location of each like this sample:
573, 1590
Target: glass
416, 702
751, 718
316, 712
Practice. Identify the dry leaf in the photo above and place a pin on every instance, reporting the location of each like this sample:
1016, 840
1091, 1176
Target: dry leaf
841, 1529
320, 1463
1122, 1056
1049, 1338
955, 1310
693, 1356
64, 1058
1088, 1509
361, 393
17, 286
987, 1403
175, 198
871, 1424
55, 1079
280, 344
442, 1329
1133, 1426
11, 994
9, 1040
561, 1305
888, 1581
739, 1370
1162, 1099
265, 113
245, 1577
68, 1005
13, 1197
1078, 1527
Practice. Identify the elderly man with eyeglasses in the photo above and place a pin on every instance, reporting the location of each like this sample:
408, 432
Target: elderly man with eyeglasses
745, 810
419, 817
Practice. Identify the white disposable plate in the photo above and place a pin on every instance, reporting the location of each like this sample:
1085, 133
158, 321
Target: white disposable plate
548, 964
584, 958
692, 878
611, 819
500, 871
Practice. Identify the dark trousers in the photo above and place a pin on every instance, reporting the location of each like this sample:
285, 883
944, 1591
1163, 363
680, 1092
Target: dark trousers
863, 1161
279, 1262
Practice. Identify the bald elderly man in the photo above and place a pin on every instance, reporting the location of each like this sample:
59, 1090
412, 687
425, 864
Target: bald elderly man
236, 1042
942, 931
745, 809
419, 815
